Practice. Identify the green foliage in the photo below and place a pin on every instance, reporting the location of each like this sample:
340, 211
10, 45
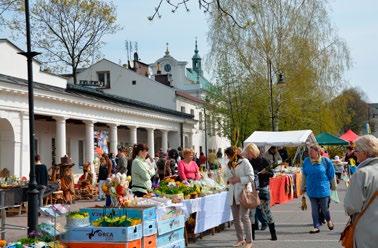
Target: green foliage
298, 39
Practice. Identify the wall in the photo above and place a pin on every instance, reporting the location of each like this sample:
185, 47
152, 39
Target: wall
14, 64
145, 89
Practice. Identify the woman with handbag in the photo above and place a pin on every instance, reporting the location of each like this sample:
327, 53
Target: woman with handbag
238, 174
264, 172
361, 201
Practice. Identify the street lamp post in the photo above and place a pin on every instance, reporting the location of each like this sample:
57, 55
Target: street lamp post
32, 187
280, 81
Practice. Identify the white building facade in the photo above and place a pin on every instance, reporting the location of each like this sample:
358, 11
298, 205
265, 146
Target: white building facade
67, 116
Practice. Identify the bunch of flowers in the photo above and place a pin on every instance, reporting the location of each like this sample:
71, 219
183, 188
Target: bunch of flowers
117, 187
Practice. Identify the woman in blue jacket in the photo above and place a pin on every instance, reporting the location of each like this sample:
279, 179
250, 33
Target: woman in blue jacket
318, 180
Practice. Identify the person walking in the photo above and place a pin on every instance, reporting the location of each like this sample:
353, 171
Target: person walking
264, 172
363, 187
318, 180
238, 174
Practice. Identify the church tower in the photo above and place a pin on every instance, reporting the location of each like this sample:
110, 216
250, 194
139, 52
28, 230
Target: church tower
196, 61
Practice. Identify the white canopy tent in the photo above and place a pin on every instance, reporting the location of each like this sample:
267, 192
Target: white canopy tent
298, 138
281, 138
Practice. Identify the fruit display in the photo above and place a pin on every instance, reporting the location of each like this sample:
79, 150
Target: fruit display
115, 221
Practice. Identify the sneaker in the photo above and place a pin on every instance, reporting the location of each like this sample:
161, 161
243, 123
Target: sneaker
315, 230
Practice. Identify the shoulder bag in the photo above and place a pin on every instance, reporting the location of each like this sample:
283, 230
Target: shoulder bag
248, 199
347, 236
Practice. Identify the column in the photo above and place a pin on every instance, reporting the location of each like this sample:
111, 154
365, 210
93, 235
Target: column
89, 146
164, 140
60, 138
151, 141
133, 135
113, 138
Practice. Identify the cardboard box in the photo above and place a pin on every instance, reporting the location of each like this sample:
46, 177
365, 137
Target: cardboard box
103, 234
96, 213
170, 224
149, 241
149, 227
132, 244
143, 213
177, 244
170, 238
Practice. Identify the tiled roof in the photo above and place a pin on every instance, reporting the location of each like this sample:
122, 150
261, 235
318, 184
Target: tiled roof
189, 97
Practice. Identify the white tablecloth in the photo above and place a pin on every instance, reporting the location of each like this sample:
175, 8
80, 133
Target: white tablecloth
211, 210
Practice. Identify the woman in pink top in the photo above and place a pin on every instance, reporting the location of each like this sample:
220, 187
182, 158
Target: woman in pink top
187, 168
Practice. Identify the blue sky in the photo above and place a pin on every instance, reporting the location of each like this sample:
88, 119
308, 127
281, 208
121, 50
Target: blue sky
356, 22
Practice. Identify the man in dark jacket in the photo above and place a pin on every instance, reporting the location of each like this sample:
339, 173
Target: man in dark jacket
121, 162
41, 177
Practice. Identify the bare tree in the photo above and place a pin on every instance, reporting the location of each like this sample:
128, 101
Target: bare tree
70, 32
208, 6
7, 6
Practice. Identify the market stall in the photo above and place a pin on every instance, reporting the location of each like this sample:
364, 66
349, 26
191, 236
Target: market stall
285, 185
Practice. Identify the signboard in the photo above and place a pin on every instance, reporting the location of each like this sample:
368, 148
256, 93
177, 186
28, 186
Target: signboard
92, 83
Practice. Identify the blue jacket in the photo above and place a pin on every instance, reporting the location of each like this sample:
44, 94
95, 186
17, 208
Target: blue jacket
318, 177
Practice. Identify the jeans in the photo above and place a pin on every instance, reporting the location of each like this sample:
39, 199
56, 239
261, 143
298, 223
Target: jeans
319, 204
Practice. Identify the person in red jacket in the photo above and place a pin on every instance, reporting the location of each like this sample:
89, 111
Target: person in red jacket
187, 168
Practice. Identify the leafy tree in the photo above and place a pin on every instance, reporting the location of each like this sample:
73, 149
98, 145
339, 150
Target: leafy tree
70, 32
300, 42
354, 109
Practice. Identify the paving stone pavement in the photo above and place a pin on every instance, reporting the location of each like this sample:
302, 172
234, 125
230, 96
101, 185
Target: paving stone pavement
292, 225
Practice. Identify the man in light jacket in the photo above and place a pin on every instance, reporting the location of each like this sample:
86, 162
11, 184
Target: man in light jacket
364, 184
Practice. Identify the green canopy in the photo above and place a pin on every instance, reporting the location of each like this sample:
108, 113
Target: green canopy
329, 139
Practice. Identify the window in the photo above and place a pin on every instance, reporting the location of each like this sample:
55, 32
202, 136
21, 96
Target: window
192, 112
183, 109
104, 78
81, 152
200, 119
133, 82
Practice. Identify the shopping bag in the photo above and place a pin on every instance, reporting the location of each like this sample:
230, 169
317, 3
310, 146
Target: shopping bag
335, 196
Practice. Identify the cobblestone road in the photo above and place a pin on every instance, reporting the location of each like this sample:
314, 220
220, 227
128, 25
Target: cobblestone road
292, 226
